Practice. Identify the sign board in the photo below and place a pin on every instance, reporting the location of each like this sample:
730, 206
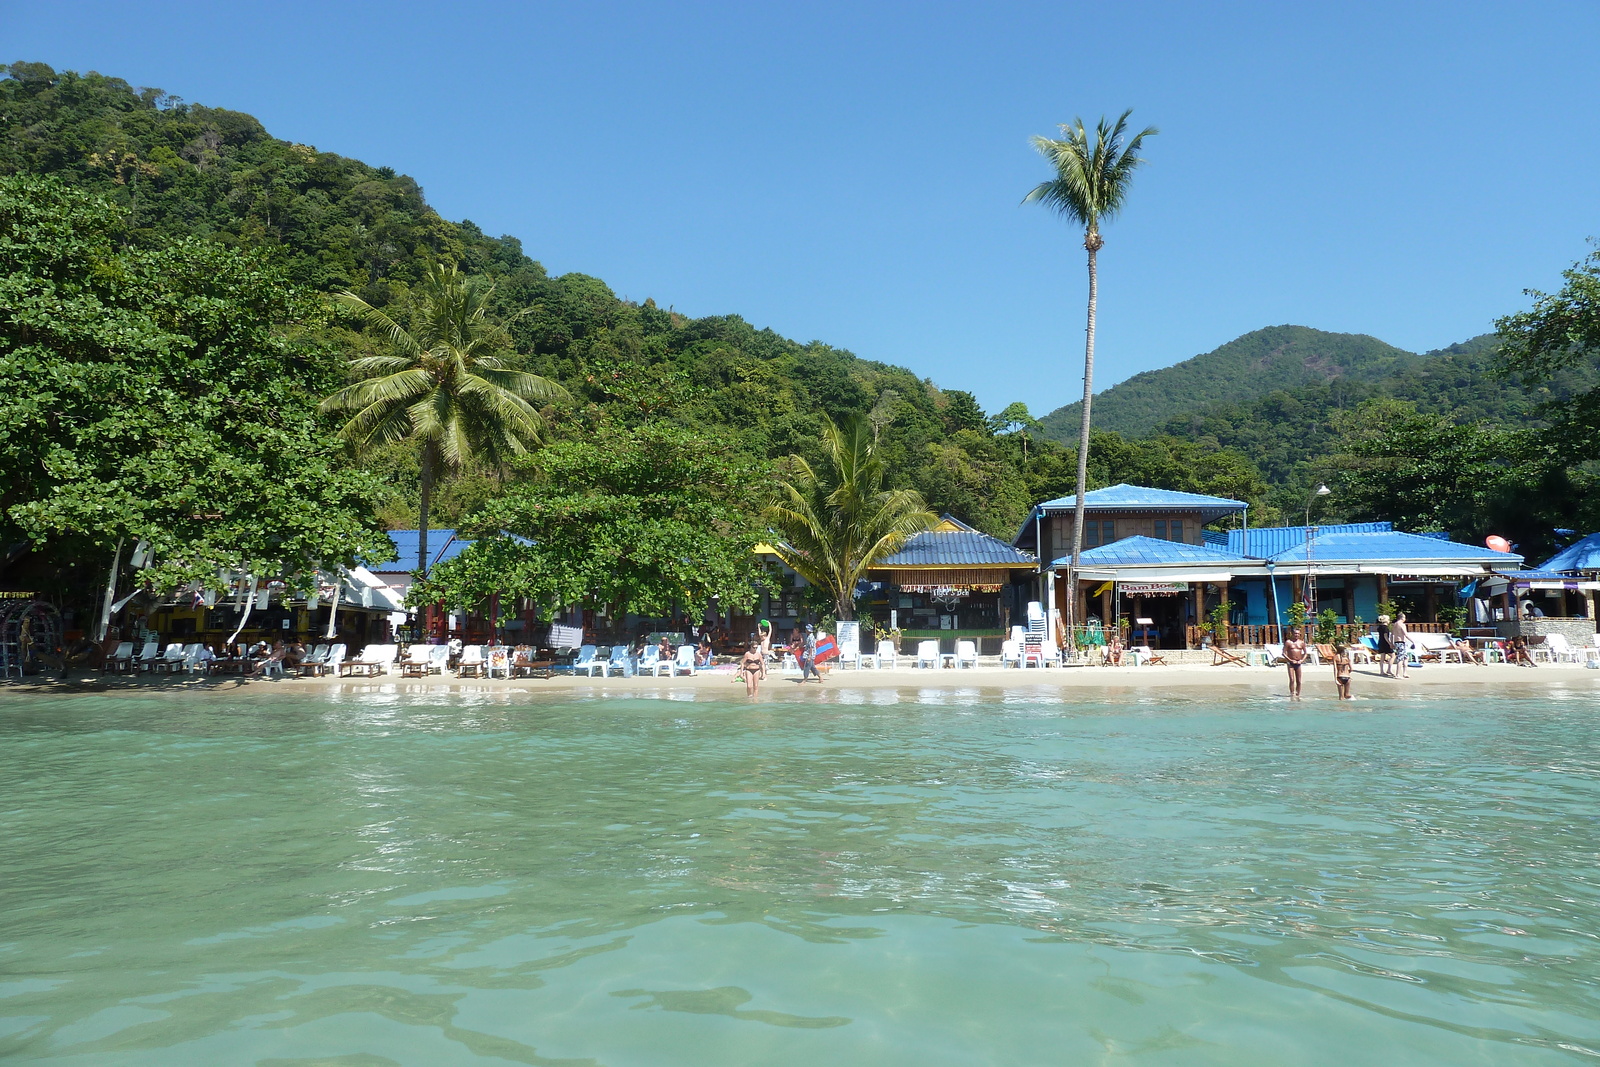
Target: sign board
1152, 588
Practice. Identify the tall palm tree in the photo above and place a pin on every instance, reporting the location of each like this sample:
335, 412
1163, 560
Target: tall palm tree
1091, 183
444, 385
838, 519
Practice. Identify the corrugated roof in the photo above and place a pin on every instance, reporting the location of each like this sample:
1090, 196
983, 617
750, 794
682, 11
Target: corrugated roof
407, 543
1270, 540
1142, 496
956, 548
1391, 544
1150, 550
1581, 556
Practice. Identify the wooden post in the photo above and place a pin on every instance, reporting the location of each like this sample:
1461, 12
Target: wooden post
1430, 603
1383, 588
1588, 595
1224, 638
1105, 610
1199, 599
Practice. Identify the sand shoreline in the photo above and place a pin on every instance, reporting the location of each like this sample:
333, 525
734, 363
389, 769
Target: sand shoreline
1083, 681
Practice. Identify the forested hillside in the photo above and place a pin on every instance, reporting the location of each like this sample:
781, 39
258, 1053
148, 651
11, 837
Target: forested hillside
185, 170
1261, 418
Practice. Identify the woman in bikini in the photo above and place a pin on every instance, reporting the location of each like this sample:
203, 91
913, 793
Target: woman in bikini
753, 666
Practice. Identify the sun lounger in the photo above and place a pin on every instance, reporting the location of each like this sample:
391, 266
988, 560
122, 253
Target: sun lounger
499, 663
887, 653
684, 664
146, 660
927, 653
472, 662
1221, 657
1144, 656
587, 663
121, 659
332, 661
171, 660
1560, 651
620, 662
373, 661
966, 654
1436, 648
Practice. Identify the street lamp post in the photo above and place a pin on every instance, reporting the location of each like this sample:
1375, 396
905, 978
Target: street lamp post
1311, 536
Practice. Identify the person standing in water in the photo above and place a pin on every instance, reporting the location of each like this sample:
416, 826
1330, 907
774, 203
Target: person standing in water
753, 668
1341, 669
1294, 654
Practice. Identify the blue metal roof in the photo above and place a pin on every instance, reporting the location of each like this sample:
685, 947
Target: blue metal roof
1270, 540
1125, 496
1583, 555
956, 548
1390, 544
1150, 550
407, 543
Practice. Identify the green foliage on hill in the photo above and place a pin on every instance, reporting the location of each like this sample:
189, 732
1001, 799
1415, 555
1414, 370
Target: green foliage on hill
1246, 368
176, 170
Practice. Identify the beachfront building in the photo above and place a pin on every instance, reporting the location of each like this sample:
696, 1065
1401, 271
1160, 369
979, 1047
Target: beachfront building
356, 607
1557, 597
1162, 588
952, 581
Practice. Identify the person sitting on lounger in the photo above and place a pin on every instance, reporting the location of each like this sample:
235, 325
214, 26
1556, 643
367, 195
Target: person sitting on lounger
1468, 652
702, 654
665, 651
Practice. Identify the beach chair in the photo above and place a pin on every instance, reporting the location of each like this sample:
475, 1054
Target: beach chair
1145, 656
1436, 647
121, 658
966, 654
684, 664
373, 661
329, 662
1221, 657
1591, 651
171, 660
499, 662
1010, 653
319, 655
415, 665
438, 659
1274, 654
273, 664
620, 662
587, 663
927, 653
887, 653
1560, 650
472, 662
191, 657
146, 660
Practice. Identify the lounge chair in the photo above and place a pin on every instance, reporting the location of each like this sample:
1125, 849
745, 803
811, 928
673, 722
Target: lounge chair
1274, 654
587, 663
330, 662
1436, 647
120, 658
313, 663
1144, 655
927, 653
171, 660
273, 664
684, 664
499, 662
146, 660
966, 654
1221, 657
887, 653
1591, 651
1560, 650
416, 663
620, 662
649, 660
373, 661
471, 662
1010, 654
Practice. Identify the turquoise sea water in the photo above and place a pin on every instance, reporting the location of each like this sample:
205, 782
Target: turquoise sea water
868, 877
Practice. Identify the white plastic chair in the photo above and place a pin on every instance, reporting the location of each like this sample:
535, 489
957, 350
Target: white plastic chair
418, 661
472, 661
499, 662
148, 655
887, 653
684, 664
966, 654
587, 663
1560, 649
120, 658
649, 660
927, 653
171, 659
620, 662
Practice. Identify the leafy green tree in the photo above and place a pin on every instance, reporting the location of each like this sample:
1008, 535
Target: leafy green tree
446, 385
1015, 419
1090, 186
164, 393
1559, 337
838, 517
640, 519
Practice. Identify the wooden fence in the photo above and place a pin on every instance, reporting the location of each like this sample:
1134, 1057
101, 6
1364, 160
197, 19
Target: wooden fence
1256, 636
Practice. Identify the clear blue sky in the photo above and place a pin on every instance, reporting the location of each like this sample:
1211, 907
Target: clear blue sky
851, 172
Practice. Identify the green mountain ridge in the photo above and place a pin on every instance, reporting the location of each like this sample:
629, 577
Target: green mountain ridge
1251, 366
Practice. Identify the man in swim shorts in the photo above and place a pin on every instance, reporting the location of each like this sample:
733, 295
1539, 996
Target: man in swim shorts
1294, 654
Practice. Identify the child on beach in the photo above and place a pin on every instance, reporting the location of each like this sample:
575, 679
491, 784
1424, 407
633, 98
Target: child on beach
1341, 669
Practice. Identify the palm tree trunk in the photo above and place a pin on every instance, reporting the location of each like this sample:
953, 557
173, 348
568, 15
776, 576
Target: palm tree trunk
422, 509
1091, 242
